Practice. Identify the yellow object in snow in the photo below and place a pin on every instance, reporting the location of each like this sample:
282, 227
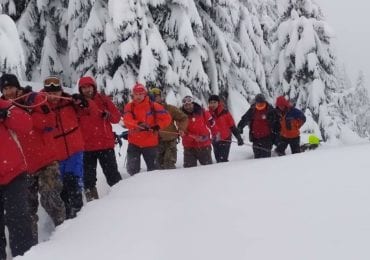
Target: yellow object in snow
155, 91
313, 139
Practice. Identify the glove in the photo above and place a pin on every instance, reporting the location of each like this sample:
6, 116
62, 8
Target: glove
45, 109
155, 128
105, 114
80, 100
27, 89
240, 142
143, 126
240, 130
4, 113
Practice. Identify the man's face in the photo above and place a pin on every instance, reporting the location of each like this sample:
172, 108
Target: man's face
138, 97
158, 98
53, 97
189, 107
213, 105
10, 92
87, 91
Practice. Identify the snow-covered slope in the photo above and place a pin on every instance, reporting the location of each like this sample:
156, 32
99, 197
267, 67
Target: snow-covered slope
313, 205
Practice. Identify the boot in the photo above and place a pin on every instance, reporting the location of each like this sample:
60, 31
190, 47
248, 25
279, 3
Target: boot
91, 194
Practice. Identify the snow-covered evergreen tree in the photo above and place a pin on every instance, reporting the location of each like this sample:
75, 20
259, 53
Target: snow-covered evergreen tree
11, 52
305, 64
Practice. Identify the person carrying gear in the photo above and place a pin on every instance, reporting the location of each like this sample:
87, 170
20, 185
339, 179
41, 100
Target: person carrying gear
143, 118
99, 138
196, 139
39, 151
167, 156
291, 120
67, 110
263, 126
226, 126
14, 202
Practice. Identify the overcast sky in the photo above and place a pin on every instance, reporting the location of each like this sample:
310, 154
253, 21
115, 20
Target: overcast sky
351, 22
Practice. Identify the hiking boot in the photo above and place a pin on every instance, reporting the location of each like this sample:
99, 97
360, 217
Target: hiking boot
91, 194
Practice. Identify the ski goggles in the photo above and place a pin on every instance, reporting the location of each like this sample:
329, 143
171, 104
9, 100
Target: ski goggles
187, 100
52, 81
52, 84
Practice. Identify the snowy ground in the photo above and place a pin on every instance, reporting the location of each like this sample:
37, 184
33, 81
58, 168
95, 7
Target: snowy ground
313, 205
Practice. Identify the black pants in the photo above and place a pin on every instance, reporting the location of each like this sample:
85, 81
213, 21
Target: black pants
71, 195
108, 163
193, 155
262, 147
134, 153
294, 143
221, 149
14, 201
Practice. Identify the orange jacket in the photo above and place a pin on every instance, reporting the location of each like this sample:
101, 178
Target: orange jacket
290, 122
149, 113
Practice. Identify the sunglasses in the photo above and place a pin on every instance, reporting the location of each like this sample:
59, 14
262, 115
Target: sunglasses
52, 82
187, 100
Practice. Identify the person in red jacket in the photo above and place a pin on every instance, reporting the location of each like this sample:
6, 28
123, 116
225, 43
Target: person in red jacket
39, 152
68, 140
99, 138
263, 126
291, 120
14, 206
144, 119
197, 139
226, 126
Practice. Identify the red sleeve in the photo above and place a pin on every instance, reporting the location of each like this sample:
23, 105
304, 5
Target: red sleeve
230, 120
128, 119
164, 118
19, 120
41, 120
115, 115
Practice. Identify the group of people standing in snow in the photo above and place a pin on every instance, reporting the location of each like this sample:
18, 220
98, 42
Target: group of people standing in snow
52, 141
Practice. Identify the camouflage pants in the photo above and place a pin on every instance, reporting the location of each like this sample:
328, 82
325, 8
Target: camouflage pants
47, 182
167, 156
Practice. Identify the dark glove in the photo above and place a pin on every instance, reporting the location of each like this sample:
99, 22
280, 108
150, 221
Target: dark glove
4, 113
105, 114
27, 89
80, 100
143, 126
155, 128
45, 109
240, 130
240, 142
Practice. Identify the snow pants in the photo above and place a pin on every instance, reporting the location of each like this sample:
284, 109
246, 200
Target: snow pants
108, 163
71, 170
262, 147
193, 155
167, 156
150, 155
294, 143
15, 214
221, 150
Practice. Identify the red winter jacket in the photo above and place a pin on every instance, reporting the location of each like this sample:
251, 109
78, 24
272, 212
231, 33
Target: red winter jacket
97, 130
224, 122
38, 146
67, 133
200, 123
150, 113
12, 161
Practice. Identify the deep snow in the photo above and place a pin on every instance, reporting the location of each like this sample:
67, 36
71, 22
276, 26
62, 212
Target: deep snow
313, 205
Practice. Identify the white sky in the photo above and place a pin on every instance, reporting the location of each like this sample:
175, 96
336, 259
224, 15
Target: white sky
350, 20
